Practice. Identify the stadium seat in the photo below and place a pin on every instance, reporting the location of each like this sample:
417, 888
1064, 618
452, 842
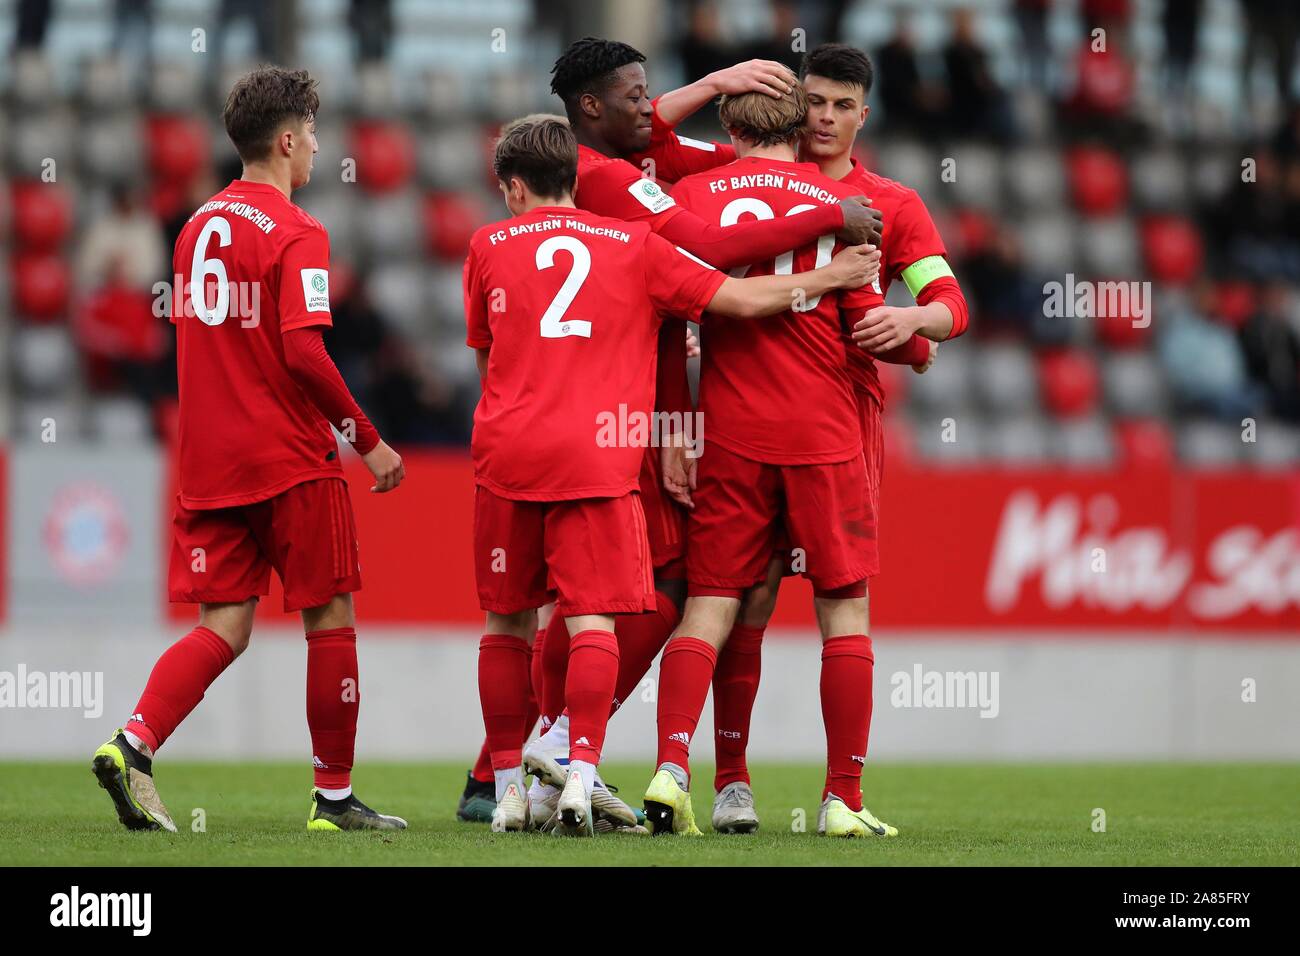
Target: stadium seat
45, 360
42, 286
511, 93
442, 95
178, 146
959, 441
105, 84
1210, 444
1213, 174
1035, 179
385, 154
335, 206
32, 412
43, 143
946, 388
453, 158
446, 295
392, 224
1160, 180
1005, 380
32, 82
1133, 384
1145, 443
41, 214
1047, 241
1276, 445
376, 90
120, 420
174, 86
910, 162
978, 175
1172, 248
397, 288
111, 147
1233, 302
1068, 381
1020, 440
1109, 246
1120, 327
449, 221
1084, 442
1098, 180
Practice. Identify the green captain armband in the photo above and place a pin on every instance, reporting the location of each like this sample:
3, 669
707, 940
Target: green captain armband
924, 271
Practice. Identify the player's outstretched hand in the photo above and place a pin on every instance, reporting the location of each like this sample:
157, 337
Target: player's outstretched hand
678, 474
386, 465
862, 224
886, 327
754, 76
855, 266
692, 344
925, 366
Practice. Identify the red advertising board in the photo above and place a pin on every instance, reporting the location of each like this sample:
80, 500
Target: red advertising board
971, 549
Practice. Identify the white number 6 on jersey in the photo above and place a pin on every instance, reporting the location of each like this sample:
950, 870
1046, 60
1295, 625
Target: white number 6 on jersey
201, 268
554, 325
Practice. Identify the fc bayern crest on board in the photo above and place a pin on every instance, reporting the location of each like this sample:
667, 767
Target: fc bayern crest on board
85, 533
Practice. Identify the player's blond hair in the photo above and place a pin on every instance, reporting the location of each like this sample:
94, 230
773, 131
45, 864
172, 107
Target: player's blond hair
541, 150
764, 120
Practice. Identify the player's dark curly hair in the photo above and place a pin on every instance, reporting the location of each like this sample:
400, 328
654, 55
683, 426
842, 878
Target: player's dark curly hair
841, 63
261, 102
587, 66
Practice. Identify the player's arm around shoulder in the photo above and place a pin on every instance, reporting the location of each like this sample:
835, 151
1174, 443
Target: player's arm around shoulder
759, 296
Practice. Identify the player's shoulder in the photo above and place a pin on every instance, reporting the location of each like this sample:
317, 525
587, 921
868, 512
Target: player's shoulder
702, 179
880, 187
593, 163
299, 222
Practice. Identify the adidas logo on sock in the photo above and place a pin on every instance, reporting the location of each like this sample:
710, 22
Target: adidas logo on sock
682, 737
137, 719
583, 742
318, 763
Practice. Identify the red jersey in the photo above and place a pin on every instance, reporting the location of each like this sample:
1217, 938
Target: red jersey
614, 187
908, 239
568, 302
247, 431
776, 390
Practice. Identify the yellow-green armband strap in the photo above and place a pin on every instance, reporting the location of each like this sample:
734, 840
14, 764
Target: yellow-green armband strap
924, 271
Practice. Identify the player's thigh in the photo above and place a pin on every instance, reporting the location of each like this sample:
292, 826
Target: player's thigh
509, 553
215, 557
873, 453
731, 532
826, 518
309, 534
599, 556
335, 613
665, 519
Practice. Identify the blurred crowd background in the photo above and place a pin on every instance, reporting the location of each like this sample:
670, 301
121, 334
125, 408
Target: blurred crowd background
1164, 149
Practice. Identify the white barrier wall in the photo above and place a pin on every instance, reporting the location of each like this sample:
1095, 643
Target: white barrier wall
1052, 698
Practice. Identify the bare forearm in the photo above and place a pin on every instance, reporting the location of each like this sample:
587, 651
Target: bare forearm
758, 296
936, 321
680, 103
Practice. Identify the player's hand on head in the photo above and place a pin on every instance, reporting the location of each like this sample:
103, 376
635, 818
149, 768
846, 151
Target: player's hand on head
926, 365
692, 344
386, 467
862, 224
885, 327
855, 266
755, 76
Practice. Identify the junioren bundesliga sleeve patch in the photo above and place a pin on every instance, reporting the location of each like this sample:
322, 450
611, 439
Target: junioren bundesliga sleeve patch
316, 289
648, 194
924, 271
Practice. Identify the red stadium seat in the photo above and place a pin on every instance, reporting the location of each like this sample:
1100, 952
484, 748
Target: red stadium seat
1118, 331
385, 154
1145, 443
449, 221
178, 147
42, 215
1233, 302
1098, 180
42, 285
976, 231
1069, 382
1172, 248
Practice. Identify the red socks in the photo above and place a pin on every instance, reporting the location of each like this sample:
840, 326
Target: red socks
482, 771
503, 678
589, 690
846, 711
555, 667
684, 676
735, 685
640, 639
177, 683
333, 700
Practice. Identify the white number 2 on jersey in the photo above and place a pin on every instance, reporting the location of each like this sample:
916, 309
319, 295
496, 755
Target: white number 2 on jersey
784, 264
201, 268
554, 325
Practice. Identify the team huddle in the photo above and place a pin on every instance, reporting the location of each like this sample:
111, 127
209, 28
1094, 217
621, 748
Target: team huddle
592, 555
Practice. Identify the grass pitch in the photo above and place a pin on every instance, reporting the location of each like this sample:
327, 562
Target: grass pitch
1000, 815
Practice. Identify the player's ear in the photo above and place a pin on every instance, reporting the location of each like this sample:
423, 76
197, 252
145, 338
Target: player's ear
862, 117
589, 103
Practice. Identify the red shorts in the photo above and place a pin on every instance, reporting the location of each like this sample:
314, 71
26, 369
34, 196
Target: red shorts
593, 551
306, 533
742, 506
873, 450
665, 519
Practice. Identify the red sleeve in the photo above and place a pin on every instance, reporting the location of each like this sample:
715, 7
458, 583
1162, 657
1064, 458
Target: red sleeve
476, 306
675, 157
316, 374
618, 190
915, 351
729, 246
305, 281
947, 291
678, 285
672, 388
910, 236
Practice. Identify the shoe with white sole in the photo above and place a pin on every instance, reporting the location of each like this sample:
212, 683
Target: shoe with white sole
609, 808
543, 805
733, 809
837, 820
548, 764
574, 809
511, 814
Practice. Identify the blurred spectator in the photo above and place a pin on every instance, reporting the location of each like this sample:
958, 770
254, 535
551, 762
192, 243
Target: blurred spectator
779, 45
133, 36
702, 49
1006, 299
1182, 23
1102, 98
977, 106
910, 104
123, 342
1031, 16
1273, 25
371, 22
1107, 14
31, 20
127, 242
1203, 363
1270, 339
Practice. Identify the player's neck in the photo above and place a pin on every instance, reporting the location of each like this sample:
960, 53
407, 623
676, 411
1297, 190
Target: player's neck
783, 152
591, 138
836, 167
547, 202
267, 176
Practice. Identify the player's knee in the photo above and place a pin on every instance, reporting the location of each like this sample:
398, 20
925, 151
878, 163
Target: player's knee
521, 624
758, 604
675, 590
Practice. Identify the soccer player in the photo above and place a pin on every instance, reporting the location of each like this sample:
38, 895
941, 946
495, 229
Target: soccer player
261, 486
837, 79
563, 307
785, 453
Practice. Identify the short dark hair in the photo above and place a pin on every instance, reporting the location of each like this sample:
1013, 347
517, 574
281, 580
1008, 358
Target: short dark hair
841, 63
261, 102
588, 66
540, 149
